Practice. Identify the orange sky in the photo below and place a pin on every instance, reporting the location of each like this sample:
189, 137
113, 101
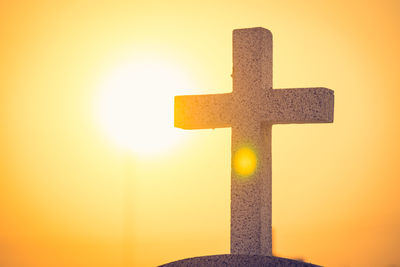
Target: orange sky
69, 196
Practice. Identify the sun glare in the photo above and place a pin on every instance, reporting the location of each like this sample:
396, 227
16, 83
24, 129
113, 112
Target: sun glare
135, 106
245, 161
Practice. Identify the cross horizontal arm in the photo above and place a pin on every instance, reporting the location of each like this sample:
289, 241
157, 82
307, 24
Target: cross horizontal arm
203, 111
300, 105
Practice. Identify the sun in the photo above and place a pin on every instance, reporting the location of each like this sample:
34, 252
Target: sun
136, 104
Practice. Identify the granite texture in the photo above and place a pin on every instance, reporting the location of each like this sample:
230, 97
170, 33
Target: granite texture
238, 261
251, 110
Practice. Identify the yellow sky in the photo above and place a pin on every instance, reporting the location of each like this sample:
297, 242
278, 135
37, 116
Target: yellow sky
69, 196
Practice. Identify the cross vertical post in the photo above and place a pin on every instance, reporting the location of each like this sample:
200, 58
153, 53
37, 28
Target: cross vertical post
251, 196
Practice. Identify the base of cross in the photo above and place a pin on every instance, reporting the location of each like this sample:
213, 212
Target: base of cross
238, 261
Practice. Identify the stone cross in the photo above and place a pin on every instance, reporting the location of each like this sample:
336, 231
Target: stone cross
251, 110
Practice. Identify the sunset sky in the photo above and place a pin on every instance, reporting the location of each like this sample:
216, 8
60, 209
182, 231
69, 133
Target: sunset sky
92, 172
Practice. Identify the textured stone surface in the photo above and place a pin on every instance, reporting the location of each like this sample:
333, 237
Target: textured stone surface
250, 110
238, 260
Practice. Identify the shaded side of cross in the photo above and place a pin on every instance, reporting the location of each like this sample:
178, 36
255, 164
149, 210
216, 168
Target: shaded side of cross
251, 110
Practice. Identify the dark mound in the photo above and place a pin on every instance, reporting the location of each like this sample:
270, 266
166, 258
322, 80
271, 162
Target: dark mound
239, 261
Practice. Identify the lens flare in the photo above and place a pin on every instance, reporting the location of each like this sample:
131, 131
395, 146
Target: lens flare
245, 161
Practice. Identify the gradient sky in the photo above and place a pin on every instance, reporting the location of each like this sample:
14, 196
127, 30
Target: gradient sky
69, 196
